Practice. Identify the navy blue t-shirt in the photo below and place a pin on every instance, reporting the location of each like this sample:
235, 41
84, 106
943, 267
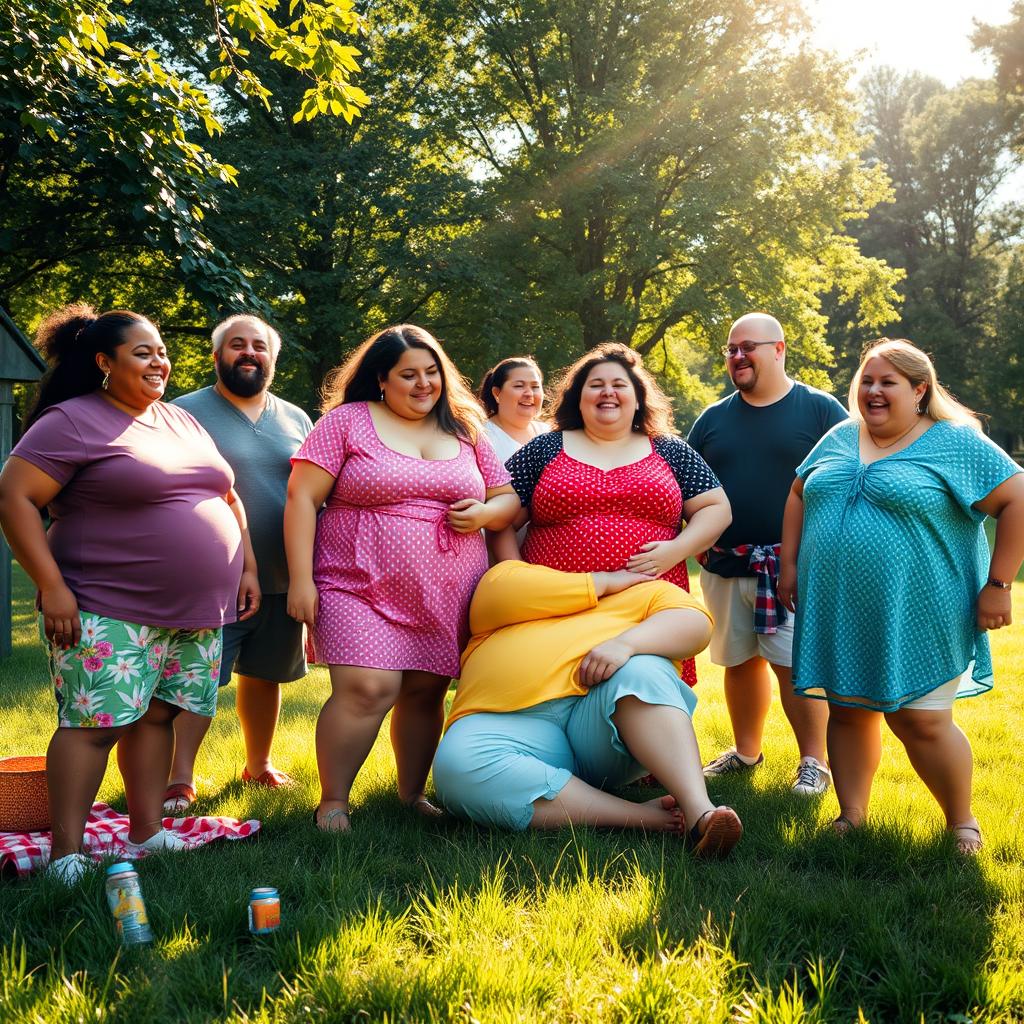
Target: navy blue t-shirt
754, 450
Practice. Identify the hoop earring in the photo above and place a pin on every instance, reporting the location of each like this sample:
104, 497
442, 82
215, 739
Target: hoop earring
106, 381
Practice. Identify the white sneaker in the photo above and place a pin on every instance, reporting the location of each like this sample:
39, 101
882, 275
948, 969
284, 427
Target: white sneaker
69, 869
812, 777
161, 841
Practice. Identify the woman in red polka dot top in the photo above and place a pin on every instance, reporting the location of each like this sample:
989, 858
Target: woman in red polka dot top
611, 486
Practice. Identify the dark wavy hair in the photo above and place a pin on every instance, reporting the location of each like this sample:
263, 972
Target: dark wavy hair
653, 411
359, 378
496, 376
70, 338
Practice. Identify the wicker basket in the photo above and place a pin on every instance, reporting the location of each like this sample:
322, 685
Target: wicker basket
24, 804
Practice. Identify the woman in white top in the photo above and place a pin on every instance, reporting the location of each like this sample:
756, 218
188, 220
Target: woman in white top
512, 393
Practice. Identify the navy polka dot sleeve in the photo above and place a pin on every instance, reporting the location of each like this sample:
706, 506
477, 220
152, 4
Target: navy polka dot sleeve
692, 473
527, 465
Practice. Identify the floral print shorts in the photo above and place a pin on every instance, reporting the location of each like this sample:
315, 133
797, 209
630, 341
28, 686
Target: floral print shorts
117, 668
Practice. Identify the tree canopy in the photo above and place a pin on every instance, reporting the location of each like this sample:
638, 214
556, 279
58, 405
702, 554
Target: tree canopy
535, 177
951, 228
103, 145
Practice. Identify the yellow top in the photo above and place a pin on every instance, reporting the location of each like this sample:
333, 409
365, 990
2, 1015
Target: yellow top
532, 626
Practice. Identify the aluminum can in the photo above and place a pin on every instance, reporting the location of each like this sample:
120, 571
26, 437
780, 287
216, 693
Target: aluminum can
124, 896
264, 910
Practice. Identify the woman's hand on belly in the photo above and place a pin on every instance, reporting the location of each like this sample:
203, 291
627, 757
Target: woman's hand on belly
468, 515
656, 557
303, 601
603, 662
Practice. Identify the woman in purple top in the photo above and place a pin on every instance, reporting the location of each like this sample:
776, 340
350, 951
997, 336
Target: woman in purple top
146, 557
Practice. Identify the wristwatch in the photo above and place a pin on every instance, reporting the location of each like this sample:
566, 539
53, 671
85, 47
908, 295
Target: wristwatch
998, 584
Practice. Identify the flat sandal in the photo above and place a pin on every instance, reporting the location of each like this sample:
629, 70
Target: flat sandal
328, 819
967, 846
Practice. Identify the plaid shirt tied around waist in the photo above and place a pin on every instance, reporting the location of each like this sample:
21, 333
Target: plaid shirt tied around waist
769, 612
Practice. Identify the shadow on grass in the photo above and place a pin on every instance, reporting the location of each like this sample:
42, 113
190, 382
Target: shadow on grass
398, 918
905, 922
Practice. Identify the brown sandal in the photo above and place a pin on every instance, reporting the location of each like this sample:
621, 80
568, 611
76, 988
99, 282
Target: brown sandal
842, 826
721, 833
178, 797
424, 808
967, 845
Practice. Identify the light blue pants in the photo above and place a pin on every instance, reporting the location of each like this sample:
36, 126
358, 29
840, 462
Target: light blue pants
491, 767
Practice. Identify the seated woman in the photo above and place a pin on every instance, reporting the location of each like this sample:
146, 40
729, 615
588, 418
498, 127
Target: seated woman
567, 689
612, 486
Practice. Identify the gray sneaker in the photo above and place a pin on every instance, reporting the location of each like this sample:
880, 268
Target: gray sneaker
729, 762
812, 778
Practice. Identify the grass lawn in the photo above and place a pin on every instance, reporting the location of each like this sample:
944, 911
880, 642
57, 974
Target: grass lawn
403, 920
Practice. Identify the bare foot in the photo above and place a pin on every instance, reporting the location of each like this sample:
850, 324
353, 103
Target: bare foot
674, 821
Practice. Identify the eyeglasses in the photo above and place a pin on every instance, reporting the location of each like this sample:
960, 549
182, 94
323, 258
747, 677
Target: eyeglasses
746, 347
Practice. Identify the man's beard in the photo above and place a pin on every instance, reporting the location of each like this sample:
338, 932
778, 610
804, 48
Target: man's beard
748, 384
244, 385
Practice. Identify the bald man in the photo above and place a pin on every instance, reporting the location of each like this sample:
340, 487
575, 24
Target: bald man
753, 440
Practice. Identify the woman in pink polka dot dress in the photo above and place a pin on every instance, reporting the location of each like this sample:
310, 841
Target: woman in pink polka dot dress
611, 486
384, 574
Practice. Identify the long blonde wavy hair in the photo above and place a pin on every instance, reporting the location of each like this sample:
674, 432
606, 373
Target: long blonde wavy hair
915, 365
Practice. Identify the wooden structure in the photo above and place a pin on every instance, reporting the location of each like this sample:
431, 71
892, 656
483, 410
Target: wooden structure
19, 362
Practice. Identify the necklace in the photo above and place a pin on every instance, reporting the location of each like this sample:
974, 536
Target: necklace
891, 444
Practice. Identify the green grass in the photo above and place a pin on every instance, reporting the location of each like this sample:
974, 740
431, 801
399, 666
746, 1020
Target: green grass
407, 921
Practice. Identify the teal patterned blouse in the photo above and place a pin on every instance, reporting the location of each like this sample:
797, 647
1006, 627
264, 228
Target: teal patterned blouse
891, 561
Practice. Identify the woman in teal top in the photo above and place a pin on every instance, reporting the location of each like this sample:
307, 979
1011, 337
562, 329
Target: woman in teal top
885, 562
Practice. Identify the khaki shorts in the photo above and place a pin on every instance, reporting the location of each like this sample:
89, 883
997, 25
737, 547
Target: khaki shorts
731, 602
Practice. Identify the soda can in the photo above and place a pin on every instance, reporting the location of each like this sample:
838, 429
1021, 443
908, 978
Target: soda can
124, 896
264, 910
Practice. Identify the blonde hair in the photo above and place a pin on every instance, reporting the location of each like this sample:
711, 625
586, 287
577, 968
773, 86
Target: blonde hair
910, 362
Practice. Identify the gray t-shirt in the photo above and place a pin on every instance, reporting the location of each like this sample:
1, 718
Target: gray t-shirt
260, 454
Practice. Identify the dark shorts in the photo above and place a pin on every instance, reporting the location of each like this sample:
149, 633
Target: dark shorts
271, 645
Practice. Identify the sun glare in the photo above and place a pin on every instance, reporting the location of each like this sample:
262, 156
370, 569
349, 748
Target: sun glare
913, 35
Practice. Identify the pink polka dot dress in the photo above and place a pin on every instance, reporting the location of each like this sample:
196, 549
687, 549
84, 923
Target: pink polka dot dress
393, 579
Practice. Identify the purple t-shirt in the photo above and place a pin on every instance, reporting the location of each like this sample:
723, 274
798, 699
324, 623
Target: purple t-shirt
141, 531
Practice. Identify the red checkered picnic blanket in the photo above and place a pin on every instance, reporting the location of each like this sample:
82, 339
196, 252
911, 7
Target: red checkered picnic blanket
106, 835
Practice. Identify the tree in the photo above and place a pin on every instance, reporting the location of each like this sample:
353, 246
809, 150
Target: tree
98, 139
1004, 368
946, 150
1006, 43
338, 227
649, 170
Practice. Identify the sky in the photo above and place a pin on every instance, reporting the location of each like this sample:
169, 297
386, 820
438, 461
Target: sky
931, 36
